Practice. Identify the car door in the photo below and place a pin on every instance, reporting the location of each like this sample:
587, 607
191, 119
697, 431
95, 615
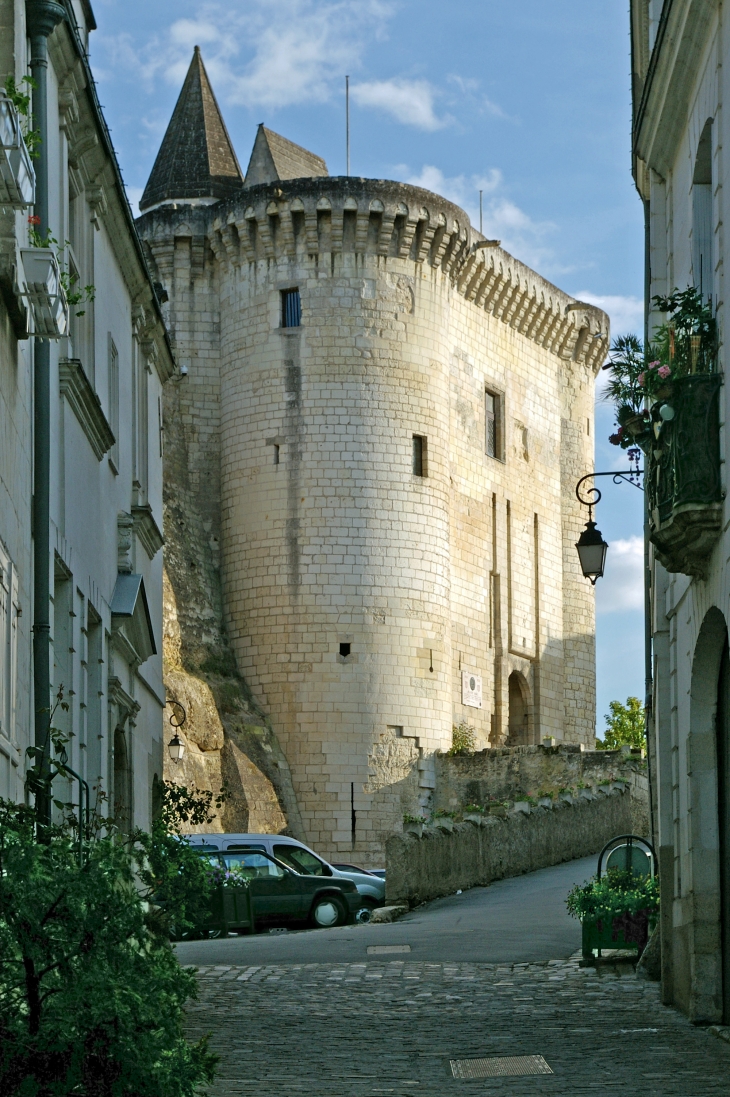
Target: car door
276, 891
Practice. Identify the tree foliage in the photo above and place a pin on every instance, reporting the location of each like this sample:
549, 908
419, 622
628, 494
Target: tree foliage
625, 725
91, 993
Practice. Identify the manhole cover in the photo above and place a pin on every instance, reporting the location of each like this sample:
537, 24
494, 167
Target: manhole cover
493, 1068
377, 950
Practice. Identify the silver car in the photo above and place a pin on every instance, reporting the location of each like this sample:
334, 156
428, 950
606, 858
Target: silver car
299, 857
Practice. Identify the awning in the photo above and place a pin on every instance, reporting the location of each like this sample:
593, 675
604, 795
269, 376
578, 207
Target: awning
131, 615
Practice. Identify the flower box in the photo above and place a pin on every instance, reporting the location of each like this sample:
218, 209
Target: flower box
44, 292
617, 931
17, 177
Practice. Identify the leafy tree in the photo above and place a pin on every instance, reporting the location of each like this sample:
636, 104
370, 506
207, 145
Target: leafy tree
91, 993
625, 725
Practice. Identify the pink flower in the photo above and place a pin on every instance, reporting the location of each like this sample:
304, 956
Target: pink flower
653, 365
640, 380
664, 372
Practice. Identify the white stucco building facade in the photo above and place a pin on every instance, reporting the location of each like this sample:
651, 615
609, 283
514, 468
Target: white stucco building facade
680, 84
104, 430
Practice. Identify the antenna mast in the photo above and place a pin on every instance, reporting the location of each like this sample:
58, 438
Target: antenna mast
347, 121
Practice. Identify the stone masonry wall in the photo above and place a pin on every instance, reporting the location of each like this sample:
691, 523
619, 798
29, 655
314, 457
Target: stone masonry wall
509, 773
473, 854
326, 536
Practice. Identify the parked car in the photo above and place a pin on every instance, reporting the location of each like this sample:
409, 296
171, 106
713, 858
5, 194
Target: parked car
276, 894
301, 858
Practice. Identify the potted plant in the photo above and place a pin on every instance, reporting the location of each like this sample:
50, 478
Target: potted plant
617, 911
412, 824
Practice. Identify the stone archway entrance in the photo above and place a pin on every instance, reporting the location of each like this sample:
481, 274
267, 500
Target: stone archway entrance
519, 711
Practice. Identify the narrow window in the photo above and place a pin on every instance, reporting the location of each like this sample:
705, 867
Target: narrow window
492, 416
276, 454
420, 444
702, 258
344, 650
291, 308
113, 381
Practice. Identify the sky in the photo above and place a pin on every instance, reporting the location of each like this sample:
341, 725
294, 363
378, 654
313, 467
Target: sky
527, 102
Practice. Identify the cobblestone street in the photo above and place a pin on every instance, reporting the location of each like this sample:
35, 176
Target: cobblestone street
390, 1026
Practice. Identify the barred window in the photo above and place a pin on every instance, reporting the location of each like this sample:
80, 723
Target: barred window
291, 308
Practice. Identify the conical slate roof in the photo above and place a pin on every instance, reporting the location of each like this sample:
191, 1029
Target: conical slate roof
274, 158
196, 158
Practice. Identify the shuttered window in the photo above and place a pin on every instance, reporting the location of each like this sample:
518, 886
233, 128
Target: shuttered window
291, 308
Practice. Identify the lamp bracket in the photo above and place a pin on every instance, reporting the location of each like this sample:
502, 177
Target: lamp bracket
630, 476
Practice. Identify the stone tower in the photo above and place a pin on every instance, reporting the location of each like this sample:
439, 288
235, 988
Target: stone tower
376, 431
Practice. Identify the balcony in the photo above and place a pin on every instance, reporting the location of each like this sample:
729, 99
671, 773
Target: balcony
683, 482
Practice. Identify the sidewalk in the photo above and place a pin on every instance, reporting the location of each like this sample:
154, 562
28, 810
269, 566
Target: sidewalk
393, 1026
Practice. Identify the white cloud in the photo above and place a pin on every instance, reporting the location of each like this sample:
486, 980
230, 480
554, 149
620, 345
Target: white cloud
266, 53
521, 236
134, 194
626, 313
408, 101
622, 587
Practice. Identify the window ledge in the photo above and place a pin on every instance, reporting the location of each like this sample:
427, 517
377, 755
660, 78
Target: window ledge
86, 405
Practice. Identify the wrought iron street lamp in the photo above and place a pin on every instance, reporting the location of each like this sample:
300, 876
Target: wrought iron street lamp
176, 746
591, 547
592, 551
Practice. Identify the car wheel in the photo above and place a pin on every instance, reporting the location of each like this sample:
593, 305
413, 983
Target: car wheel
328, 911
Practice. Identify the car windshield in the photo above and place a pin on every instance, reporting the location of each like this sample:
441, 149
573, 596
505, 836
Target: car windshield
253, 866
301, 860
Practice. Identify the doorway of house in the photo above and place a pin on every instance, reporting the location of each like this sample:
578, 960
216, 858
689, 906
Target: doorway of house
519, 711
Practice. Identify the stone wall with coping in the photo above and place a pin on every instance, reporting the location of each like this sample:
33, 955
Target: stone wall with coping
508, 773
473, 854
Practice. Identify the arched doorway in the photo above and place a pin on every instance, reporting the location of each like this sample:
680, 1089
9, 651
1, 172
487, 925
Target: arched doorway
519, 710
122, 805
723, 807
701, 940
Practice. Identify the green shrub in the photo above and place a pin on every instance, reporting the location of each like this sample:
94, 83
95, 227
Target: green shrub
615, 893
463, 739
91, 993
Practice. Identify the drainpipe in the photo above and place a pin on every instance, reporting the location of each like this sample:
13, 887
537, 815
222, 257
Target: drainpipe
648, 660
41, 17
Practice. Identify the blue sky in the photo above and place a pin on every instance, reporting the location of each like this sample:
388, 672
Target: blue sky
528, 102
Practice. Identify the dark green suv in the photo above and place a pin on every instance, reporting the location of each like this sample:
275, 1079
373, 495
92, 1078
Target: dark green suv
276, 895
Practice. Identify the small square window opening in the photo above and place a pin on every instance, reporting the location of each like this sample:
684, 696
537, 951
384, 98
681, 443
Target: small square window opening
291, 308
344, 650
420, 455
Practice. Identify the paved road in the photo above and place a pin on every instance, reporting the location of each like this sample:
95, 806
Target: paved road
366, 1024
517, 920
374, 1028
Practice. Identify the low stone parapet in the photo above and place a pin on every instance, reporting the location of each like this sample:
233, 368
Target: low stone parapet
439, 862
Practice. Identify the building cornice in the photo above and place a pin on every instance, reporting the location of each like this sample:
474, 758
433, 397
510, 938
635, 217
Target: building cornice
147, 530
86, 405
323, 216
662, 113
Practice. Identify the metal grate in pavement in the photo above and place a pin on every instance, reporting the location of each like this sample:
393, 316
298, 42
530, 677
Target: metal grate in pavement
378, 950
500, 1067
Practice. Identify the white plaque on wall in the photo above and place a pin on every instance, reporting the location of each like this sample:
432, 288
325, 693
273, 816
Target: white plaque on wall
471, 689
